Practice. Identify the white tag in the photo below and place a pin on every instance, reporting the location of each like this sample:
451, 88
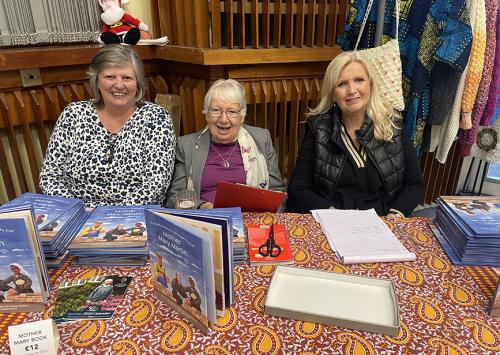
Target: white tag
34, 338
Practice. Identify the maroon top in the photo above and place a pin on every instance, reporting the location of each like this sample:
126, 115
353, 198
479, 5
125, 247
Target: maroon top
215, 170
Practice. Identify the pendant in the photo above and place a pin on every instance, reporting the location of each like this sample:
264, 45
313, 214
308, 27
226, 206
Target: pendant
226, 164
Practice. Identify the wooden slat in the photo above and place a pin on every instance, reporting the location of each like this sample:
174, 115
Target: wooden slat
165, 19
277, 24
199, 89
282, 124
331, 32
275, 94
215, 23
254, 24
4, 167
11, 137
289, 24
241, 25
311, 22
341, 17
294, 123
229, 24
265, 100
23, 112
190, 21
201, 25
156, 25
252, 93
299, 29
39, 118
180, 21
321, 23
266, 25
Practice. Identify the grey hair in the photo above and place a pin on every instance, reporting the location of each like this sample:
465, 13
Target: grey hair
227, 90
116, 55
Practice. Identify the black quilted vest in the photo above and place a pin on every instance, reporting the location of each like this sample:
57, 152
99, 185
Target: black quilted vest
388, 157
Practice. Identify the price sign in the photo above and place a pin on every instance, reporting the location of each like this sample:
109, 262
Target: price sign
35, 338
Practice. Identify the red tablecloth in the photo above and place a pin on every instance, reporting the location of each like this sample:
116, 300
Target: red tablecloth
443, 307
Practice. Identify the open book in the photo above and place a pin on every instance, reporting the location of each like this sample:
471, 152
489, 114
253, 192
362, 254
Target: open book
191, 260
361, 237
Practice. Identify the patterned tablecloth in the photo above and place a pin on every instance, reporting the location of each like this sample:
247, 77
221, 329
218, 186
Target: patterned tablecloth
443, 307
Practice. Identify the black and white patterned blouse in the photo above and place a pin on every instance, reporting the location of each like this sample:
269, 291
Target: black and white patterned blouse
133, 167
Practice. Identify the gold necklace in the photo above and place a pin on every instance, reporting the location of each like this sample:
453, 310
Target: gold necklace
226, 161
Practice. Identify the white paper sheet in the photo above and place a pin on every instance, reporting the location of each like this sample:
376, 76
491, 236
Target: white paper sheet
361, 236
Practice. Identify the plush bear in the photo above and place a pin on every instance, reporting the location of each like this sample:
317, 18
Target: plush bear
118, 26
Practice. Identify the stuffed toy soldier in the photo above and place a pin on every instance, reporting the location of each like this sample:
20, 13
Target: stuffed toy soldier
118, 26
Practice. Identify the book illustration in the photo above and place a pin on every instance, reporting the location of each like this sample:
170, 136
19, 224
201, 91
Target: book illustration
269, 244
94, 298
182, 267
481, 214
113, 226
23, 274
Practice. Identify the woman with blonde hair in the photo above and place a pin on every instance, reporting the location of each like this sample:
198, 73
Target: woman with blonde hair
355, 153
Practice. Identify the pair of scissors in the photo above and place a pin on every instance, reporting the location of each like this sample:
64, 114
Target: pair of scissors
270, 248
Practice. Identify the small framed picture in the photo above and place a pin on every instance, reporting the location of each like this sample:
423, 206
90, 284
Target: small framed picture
495, 302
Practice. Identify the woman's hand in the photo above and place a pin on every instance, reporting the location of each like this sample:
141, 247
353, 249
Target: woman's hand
207, 205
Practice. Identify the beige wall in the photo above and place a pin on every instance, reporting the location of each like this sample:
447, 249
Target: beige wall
141, 10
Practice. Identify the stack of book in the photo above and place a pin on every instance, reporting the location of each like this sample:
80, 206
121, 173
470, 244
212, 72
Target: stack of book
57, 220
468, 228
24, 281
113, 236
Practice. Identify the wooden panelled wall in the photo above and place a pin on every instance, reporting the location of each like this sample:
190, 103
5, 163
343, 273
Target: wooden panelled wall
277, 103
277, 49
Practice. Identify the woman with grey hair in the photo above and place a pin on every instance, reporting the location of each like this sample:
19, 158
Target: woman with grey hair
225, 150
115, 149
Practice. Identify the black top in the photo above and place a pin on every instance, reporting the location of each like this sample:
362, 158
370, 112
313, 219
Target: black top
358, 187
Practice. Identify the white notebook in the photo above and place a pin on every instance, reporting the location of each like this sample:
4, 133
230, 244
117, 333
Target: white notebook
361, 237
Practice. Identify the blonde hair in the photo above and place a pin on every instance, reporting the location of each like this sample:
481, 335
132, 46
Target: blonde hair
382, 113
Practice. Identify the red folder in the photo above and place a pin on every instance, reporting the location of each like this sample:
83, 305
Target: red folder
249, 198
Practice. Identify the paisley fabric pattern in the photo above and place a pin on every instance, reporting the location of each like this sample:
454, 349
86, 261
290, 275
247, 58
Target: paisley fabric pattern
443, 308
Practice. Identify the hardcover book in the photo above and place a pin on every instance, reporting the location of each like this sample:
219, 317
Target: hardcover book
191, 263
24, 281
94, 298
269, 245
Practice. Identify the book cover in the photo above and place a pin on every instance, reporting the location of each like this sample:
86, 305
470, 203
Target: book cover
219, 227
113, 227
94, 298
261, 249
24, 281
183, 268
248, 198
480, 213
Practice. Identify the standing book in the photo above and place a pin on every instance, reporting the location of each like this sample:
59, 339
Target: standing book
268, 245
24, 281
191, 263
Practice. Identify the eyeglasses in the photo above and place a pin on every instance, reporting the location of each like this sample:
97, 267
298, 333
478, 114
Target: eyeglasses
217, 112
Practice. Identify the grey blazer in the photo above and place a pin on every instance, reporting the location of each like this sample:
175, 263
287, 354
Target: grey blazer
191, 156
